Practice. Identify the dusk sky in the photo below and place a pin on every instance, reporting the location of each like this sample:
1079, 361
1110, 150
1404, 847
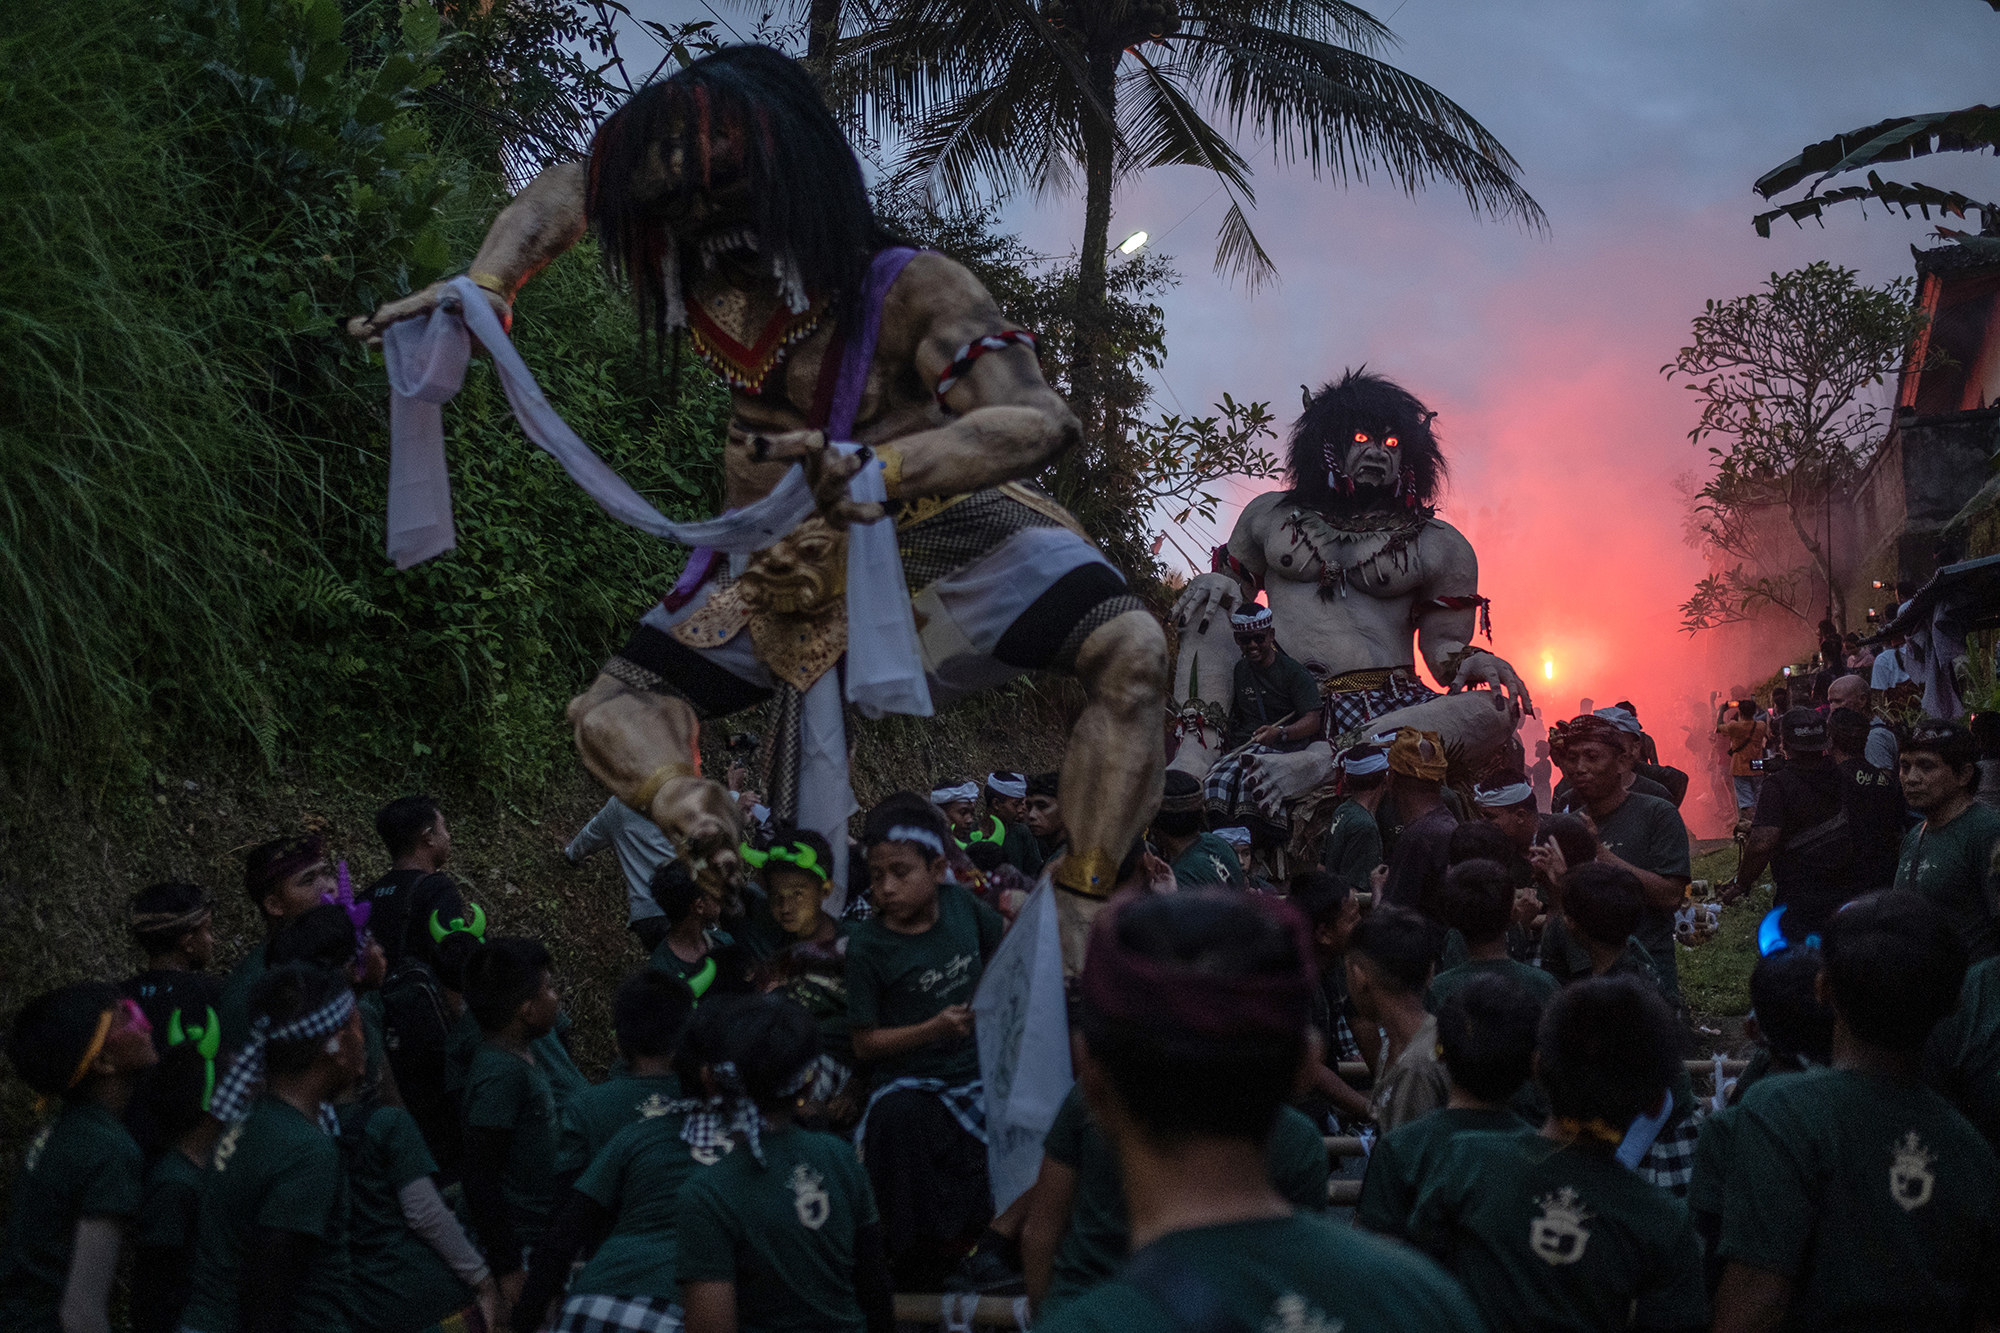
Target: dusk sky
1639, 126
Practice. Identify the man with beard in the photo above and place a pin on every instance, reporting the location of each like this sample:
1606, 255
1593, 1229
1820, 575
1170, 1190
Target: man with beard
728, 198
1644, 834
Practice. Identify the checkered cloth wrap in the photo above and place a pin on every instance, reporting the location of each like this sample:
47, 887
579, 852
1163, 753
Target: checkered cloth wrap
1669, 1163
1348, 710
713, 1123
619, 1314
967, 1104
238, 1087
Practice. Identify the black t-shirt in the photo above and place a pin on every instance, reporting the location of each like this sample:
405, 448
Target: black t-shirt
404, 901
1876, 821
158, 991
1814, 862
1418, 865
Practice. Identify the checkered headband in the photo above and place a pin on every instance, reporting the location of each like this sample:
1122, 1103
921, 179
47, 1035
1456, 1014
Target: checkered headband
241, 1084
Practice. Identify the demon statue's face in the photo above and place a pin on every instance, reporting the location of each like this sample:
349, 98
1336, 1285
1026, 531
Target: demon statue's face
1364, 443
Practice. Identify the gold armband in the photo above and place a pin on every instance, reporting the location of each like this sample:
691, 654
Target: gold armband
892, 468
492, 282
642, 800
1091, 873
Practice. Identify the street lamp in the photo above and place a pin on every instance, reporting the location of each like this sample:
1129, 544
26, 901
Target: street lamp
1132, 243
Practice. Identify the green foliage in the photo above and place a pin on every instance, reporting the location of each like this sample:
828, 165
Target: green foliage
193, 458
1780, 374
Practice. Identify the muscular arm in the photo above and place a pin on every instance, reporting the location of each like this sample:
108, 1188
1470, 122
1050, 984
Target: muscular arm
1451, 569
1660, 891
540, 223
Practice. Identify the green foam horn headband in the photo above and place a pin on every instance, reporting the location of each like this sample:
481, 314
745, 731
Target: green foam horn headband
476, 928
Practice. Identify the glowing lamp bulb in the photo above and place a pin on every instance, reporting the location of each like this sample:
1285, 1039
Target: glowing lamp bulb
1548, 668
1132, 243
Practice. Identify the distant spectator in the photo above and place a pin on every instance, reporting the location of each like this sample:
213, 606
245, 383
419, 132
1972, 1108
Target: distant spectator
1800, 830
1871, 798
1744, 734
1882, 744
641, 849
1180, 830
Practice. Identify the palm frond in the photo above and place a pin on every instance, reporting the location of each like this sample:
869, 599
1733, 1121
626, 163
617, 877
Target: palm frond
1969, 129
984, 139
1165, 130
1238, 252
1893, 194
1321, 20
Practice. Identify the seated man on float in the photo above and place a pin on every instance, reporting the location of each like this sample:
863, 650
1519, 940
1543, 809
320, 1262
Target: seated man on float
1274, 707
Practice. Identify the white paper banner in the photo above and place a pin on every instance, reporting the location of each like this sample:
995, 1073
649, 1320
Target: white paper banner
1023, 1028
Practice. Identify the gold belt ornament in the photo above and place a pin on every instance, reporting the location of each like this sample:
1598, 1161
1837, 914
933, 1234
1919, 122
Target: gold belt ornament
1371, 678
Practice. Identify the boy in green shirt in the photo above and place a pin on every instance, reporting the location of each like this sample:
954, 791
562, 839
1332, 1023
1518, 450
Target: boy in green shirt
1550, 1233
911, 971
1486, 1032
1478, 902
781, 1235
510, 1113
1794, 1033
1856, 1197
86, 1046
285, 878
648, 1014
1195, 1013
271, 1252
414, 1269
163, 1239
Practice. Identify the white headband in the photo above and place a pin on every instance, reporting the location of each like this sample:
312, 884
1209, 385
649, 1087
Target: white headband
922, 837
965, 791
1501, 798
1363, 765
1007, 784
1251, 621
1622, 720
1235, 837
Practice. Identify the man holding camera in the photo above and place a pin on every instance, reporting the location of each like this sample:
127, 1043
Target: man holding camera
1745, 734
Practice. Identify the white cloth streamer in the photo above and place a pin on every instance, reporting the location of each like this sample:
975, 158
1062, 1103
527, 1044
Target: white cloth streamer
427, 360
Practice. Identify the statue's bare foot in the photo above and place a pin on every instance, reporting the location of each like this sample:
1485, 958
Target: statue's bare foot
1275, 780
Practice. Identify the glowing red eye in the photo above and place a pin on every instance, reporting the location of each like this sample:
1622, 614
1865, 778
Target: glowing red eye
1389, 443
1361, 437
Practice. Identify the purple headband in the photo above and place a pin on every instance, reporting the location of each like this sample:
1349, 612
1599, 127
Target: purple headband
1128, 987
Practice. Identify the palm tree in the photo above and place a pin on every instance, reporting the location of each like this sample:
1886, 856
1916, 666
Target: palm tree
992, 96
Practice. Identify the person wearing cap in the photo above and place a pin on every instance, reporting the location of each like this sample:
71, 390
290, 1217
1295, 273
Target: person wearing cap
1640, 832
1195, 1014
1800, 831
1199, 858
1352, 847
1949, 857
1422, 854
1270, 687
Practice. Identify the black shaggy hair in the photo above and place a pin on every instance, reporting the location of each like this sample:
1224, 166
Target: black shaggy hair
1362, 402
743, 112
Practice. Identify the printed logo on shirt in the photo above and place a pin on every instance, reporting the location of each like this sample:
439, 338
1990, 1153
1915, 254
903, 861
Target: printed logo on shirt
226, 1149
809, 1197
654, 1107
1910, 1178
709, 1156
952, 973
35, 1146
1558, 1236
1291, 1314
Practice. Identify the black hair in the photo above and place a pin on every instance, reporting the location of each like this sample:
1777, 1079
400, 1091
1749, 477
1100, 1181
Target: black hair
1789, 1015
903, 809
1318, 895
1746, 708
986, 856
323, 937
1477, 899
1571, 835
1477, 840
649, 1013
502, 975
170, 897
1608, 1049
1486, 1035
289, 992
172, 1091
1176, 1084
810, 840
1044, 784
753, 109
403, 822
1895, 965
1362, 402
449, 956
1847, 731
1951, 742
1400, 944
54, 1029
767, 1037
1179, 823
1604, 902
674, 889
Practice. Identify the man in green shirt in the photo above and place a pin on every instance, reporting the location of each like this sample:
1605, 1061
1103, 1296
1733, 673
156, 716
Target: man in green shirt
1551, 1232
648, 1014
1352, 847
1274, 706
510, 1112
412, 1264
85, 1046
1478, 902
1076, 1232
1856, 1197
285, 878
1642, 833
1486, 1033
1199, 859
272, 1252
1007, 806
1194, 1011
1949, 857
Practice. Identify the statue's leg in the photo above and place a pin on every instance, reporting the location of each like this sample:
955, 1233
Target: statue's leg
1111, 772
1475, 732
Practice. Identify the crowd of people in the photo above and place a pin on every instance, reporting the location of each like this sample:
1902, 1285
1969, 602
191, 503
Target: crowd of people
374, 1121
